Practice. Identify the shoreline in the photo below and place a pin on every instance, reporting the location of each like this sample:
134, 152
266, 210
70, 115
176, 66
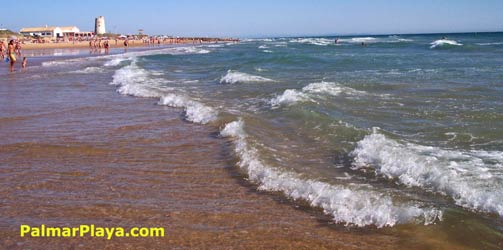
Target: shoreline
90, 155
133, 43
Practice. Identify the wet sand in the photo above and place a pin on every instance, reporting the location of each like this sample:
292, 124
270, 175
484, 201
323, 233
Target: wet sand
79, 153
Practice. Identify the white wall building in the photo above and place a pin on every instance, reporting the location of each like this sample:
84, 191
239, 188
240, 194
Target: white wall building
46, 31
50, 32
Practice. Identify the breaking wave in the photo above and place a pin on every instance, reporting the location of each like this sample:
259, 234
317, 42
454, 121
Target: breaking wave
472, 178
135, 81
116, 62
89, 70
444, 42
290, 96
357, 205
194, 111
233, 77
313, 90
353, 40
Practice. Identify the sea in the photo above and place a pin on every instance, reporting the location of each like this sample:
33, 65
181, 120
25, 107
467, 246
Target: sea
378, 132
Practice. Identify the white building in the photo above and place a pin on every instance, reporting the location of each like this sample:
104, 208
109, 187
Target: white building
50, 31
69, 31
46, 31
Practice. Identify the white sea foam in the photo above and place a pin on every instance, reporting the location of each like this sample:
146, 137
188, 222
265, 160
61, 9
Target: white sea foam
215, 45
89, 70
332, 88
353, 40
314, 41
263, 47
194, 111
267, 51
233, 77
358, 205
290, 96
62, 62
474, 179
193, 50
360, 40
116, 61
135, 81
490, 44
258, 40
313, 90
444, 42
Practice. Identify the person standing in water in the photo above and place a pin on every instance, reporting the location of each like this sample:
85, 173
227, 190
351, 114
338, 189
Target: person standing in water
11, 53
24, 63
17, 47
2, 50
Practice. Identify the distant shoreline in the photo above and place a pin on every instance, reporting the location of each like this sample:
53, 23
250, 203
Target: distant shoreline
120, 43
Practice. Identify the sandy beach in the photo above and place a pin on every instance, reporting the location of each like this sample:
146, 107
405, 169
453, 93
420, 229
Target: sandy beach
118, 43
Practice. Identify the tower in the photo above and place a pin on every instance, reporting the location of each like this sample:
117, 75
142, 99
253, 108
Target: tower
99, 25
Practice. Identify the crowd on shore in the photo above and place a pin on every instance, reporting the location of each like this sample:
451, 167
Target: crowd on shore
10, 49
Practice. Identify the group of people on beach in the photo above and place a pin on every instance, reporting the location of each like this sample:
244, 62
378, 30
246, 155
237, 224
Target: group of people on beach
98, 44
9, 53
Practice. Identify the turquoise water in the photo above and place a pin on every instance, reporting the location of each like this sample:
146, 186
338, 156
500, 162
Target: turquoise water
397, 132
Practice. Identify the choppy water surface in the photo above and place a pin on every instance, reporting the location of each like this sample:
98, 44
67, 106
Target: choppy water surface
392, 132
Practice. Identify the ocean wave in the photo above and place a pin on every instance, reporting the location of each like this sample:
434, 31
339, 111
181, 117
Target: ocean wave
474, 179
490, 44
263, 47
194, 111
314, 41
135, 81
290, 96
369, 40
193, 50
233, 77
332, 88
63, 62
89, 70
214, 45
267, 51
359, 40
354, 40
258, 40
359, 206
444, 42
313, 90
116, 61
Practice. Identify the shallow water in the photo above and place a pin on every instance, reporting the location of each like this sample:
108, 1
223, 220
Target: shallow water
402, 134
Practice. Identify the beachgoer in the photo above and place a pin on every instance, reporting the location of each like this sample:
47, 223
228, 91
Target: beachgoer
107, 46
23, 64
11, 52
17, 47
336, 40
2, 50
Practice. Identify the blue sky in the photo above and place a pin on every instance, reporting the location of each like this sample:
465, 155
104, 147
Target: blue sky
254, 18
